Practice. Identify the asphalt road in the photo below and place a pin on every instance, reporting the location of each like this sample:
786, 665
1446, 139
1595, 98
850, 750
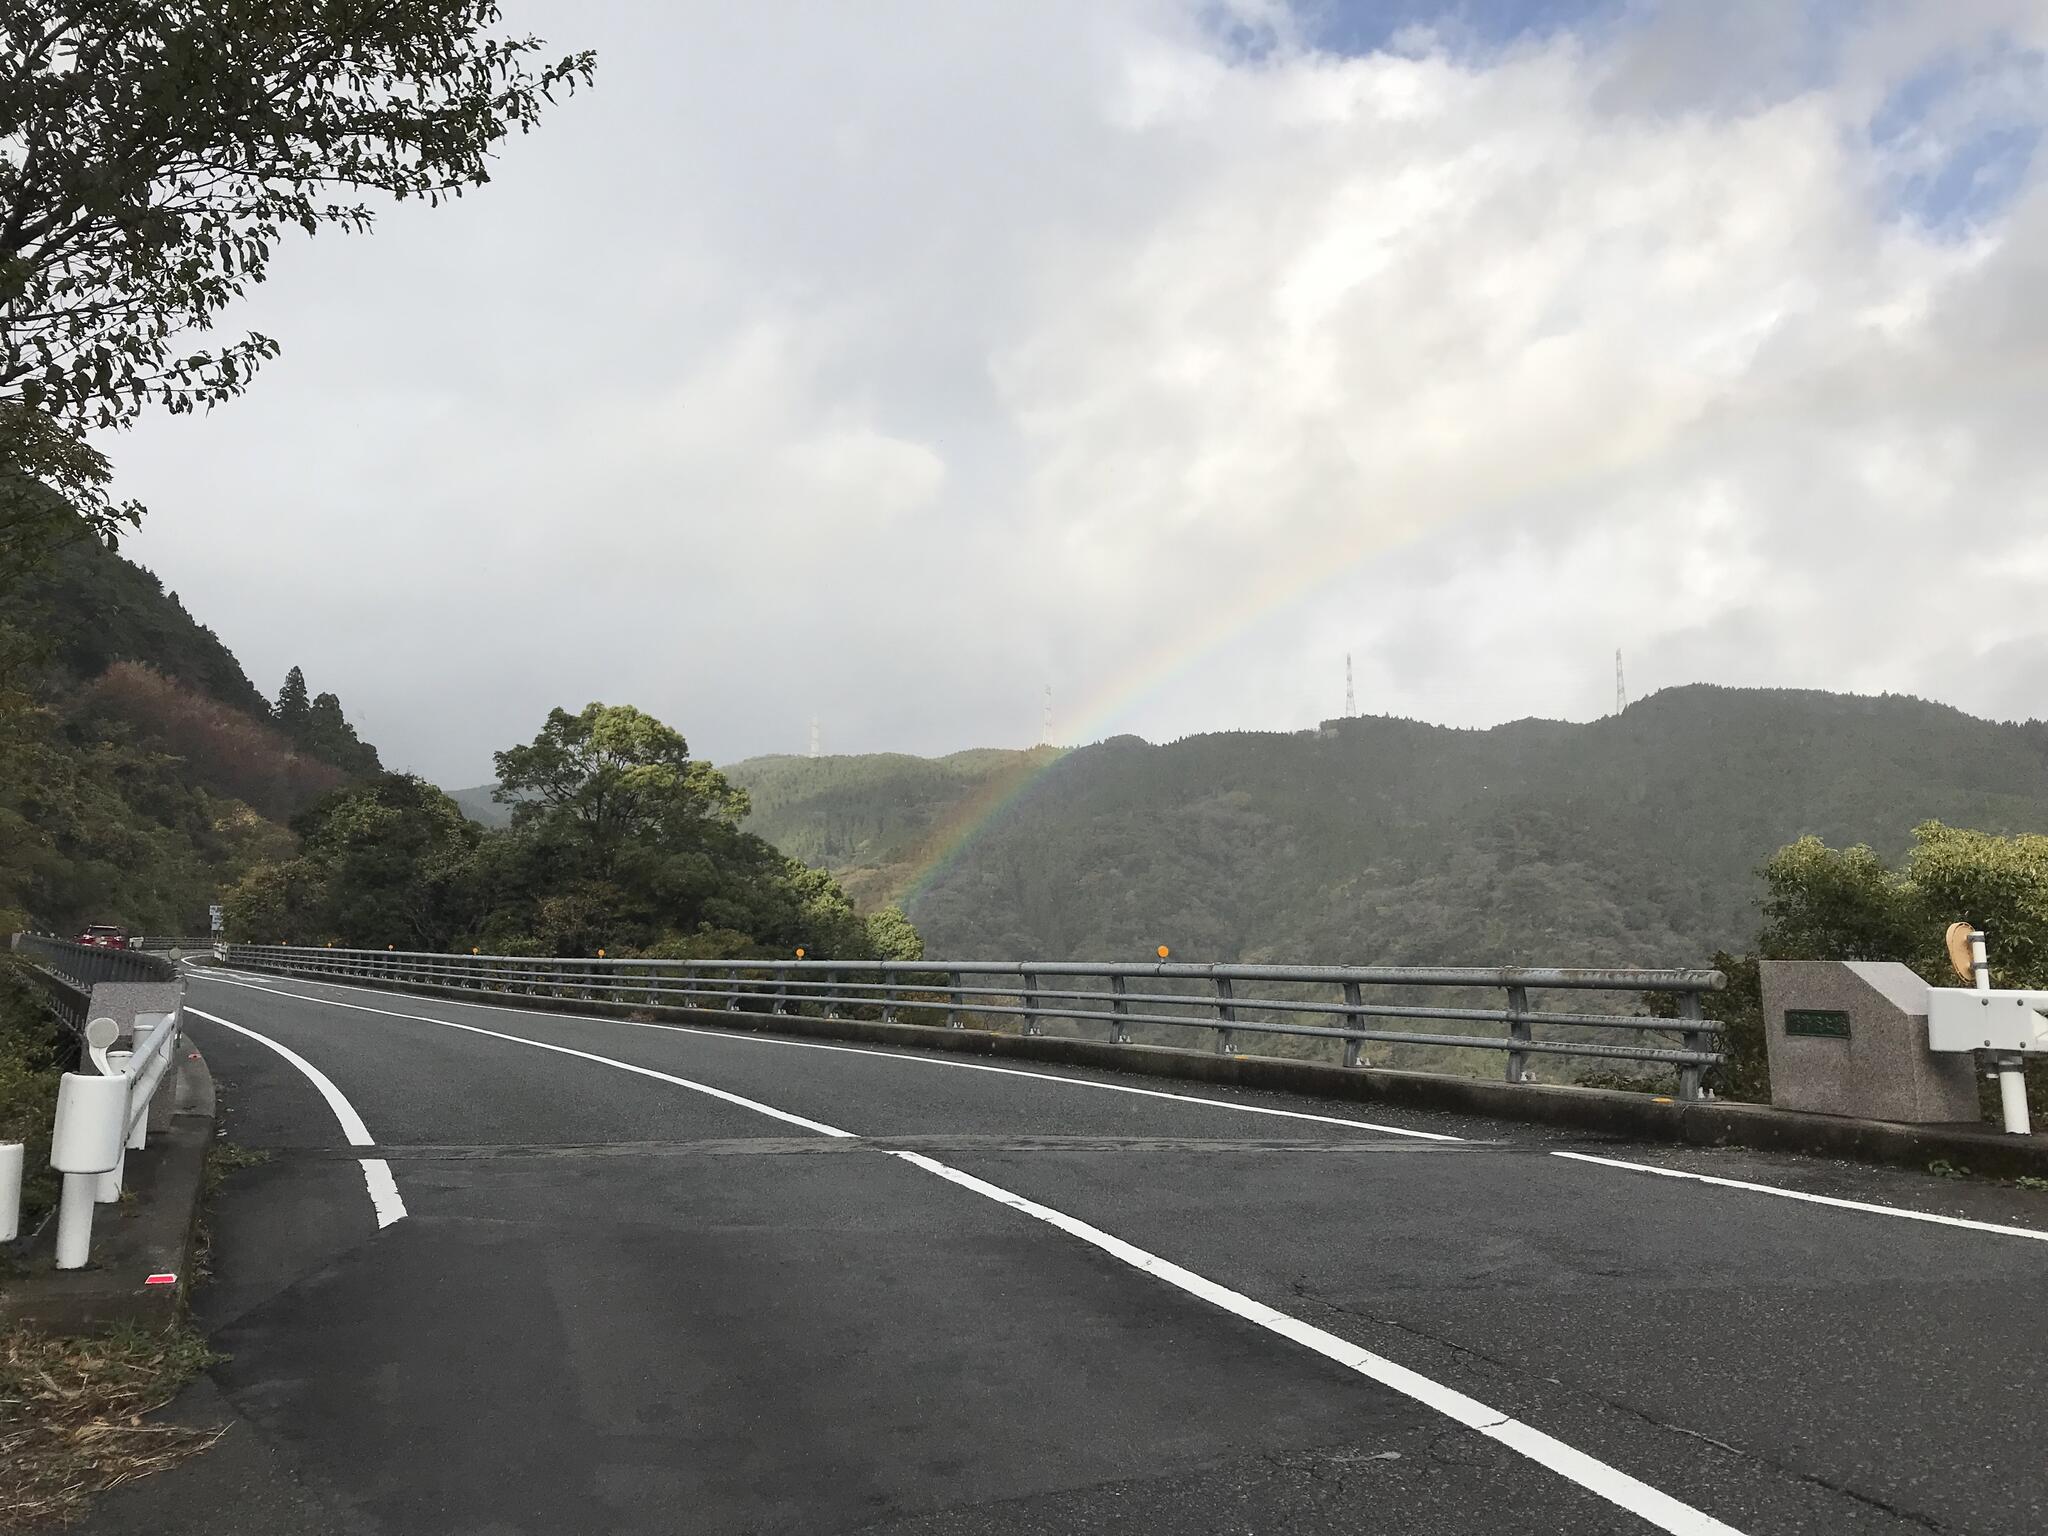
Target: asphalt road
665, 1280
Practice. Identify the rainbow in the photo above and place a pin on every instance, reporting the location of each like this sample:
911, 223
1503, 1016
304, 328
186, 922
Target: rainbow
1279, 586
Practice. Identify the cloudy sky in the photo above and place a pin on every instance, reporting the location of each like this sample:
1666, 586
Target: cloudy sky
886, 362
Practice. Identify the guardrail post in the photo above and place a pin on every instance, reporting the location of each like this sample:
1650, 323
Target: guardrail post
1226, 1015
1119, 1031
109, 1191
1354, 1048
955, 1000
831, 999
1518, 1029
781, 991
11, 1153
1689, 1072
1031, 1025
889, 997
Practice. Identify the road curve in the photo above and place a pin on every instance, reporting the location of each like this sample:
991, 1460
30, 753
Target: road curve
506, 1272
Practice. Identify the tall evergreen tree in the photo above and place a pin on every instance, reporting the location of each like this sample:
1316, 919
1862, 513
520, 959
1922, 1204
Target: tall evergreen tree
293, 710
329, 737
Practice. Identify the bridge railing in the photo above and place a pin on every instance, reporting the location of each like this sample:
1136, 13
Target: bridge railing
85, 964
1225, 1002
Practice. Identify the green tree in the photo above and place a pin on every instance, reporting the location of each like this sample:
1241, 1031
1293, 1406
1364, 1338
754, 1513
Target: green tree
293, 707
891, 936
152, 154
610, 780
1847, 904
329, 737
387, 861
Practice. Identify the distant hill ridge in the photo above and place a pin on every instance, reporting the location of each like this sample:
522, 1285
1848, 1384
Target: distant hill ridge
1629, 839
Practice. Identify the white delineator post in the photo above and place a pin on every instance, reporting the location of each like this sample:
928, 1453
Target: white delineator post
85, 1142
2012, 1081
10, 1190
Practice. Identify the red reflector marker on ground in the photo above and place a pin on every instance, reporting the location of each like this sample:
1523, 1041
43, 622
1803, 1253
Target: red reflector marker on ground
161, 1280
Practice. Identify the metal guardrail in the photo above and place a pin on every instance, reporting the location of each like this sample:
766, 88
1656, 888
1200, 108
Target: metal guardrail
1326, 1002
95, 1121
175, 944
85, 964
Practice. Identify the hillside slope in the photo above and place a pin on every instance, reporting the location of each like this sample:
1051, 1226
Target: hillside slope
1633, 839
140, 769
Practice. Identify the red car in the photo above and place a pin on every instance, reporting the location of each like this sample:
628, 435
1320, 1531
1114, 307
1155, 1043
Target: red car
105, 936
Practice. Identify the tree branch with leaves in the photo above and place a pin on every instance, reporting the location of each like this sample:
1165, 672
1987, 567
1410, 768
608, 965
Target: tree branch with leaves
152, 156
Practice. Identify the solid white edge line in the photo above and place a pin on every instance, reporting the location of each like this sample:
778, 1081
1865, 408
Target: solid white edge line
752, 1037
561, 1050
1801, 1195
1747, 1186
383, 1188
1588, 1472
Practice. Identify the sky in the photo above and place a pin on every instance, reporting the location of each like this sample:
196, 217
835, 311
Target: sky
889, 363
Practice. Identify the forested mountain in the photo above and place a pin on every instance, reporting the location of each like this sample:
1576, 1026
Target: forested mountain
1629, 840
140, 770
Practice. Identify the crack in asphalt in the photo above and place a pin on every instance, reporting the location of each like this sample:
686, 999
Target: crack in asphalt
1302, 1291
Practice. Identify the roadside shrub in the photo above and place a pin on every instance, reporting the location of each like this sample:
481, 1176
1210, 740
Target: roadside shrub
30, 1063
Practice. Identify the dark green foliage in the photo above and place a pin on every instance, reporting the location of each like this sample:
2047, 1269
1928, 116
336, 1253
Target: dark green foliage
135, 756
1746, 1074
293, 705
151, 158
1630, 840
30, 1064
318, 728
97, 825
1847, 904
382, 862
619, 841
89, 608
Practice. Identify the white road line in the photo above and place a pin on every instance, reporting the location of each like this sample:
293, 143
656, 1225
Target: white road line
1864, 1207
750, 1038
1800, 1194
376, 1172
1590, 1473
541, 1045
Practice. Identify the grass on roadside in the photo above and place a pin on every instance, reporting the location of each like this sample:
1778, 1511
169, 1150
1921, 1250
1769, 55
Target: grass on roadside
222, 1159
73, 1416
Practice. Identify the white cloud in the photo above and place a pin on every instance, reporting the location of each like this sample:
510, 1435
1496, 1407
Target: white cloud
884, 362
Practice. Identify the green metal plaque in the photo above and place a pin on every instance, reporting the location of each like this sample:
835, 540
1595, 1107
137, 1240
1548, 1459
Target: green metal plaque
1820, 1023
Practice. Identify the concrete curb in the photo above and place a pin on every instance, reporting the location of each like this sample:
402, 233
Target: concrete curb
1981, 1149
154, 1235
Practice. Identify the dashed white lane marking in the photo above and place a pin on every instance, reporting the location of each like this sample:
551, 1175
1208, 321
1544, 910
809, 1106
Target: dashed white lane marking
1865, 1207
376, 1172
1800, 1194
1588, 1472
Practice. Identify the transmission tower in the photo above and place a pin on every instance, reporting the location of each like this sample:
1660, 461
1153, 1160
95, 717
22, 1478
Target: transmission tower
1350, 693
1045, 729
817, 742
1620, 688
